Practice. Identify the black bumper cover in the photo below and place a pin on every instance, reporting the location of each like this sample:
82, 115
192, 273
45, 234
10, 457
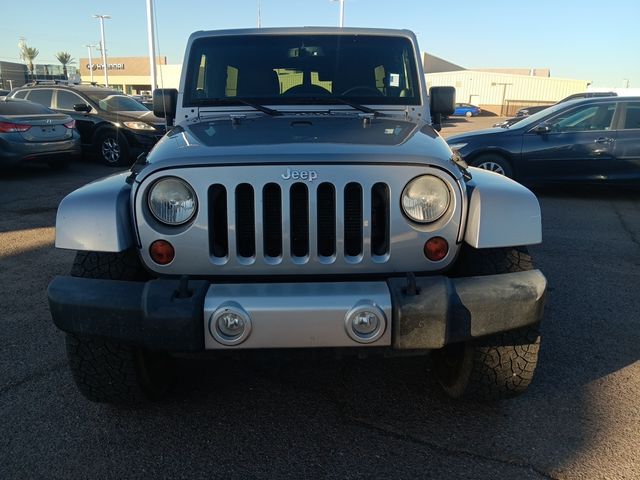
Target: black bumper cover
440, 310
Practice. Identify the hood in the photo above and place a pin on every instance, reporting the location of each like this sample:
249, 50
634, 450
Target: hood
476, 133
145, 116
299, 139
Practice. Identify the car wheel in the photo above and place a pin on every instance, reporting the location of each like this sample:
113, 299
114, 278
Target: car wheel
468, 114
113, 149
495, 366
105, 370
494, 163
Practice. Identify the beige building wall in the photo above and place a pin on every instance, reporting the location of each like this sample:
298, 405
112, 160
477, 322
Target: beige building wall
131, 74
503, 93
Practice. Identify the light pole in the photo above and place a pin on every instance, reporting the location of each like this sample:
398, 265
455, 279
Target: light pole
89, 48
105, 66
341, 2
152, 45
259, 16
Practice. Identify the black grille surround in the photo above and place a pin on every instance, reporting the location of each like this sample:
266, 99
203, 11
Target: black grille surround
326, 215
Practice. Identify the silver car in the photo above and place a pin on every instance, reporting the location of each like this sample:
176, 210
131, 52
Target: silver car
30, 132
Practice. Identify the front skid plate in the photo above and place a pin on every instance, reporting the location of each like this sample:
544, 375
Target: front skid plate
291, 315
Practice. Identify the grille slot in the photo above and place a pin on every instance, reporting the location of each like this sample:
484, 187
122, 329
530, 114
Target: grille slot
352, 219
380, 219
326, 218
218, 225
272, 220
299, 218
245, 221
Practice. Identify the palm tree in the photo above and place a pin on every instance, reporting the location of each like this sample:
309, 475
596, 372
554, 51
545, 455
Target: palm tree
64, 58
28, 54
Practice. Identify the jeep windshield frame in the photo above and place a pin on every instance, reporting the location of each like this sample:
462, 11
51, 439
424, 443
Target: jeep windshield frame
302, 69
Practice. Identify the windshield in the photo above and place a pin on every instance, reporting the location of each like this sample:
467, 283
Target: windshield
116, 102
542, 114
302, 69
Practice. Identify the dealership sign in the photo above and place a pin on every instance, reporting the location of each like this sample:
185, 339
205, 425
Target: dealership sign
100, 66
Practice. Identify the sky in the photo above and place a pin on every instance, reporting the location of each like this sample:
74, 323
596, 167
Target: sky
589, 39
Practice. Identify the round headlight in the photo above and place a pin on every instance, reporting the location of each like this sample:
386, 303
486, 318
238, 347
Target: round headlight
172, 201
425, 199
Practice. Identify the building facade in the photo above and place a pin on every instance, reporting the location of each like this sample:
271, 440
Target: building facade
132, 75
502, 91
13, 75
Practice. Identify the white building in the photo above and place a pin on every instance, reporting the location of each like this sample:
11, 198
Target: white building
501, 91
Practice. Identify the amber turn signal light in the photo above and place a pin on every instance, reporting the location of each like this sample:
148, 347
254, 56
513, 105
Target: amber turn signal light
436, 248
162, 252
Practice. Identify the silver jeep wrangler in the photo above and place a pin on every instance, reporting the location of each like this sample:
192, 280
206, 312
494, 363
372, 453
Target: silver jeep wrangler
302, 199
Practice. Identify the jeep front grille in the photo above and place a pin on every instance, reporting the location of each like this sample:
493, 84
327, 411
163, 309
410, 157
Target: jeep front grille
257, 220
322, 209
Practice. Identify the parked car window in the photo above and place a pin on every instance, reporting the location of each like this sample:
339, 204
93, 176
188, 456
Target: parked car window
588, 117
23, 108
66, 100
632, 116
116, 102
21, 94
41, 96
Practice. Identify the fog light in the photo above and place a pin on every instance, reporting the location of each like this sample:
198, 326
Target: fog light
436, 248
365, 323
162, 252
230, 324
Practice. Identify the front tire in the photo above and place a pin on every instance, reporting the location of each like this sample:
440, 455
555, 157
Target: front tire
496, 366
468, 114
494, 163
108, 371
113, 149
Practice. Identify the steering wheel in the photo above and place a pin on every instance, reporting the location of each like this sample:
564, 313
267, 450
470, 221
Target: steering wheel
302, 90
367, 88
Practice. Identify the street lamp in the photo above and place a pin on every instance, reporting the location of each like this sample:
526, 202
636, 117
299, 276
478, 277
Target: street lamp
152, 45
341, 2
103, 47
89, 48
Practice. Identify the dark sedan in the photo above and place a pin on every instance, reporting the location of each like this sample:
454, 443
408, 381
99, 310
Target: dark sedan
114, 125
589, 140
31, 132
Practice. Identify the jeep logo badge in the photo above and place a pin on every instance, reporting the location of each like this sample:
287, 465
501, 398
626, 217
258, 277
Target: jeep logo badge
308, 175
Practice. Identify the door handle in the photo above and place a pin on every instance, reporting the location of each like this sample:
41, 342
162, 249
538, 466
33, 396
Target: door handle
604, 140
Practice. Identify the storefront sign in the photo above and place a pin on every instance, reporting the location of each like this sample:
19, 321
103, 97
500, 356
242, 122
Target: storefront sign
100, 66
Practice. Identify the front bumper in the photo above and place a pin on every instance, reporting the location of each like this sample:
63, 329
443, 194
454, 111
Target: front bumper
430, 313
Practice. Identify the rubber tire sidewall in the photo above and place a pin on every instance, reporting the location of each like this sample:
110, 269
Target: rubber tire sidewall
460, 367
142, 374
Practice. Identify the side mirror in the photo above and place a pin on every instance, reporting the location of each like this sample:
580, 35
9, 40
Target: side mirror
542, 128
82, 107
442, 101
165, 102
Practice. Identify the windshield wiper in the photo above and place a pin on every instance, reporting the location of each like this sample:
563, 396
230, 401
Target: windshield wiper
231, 100
261, 108
355, 105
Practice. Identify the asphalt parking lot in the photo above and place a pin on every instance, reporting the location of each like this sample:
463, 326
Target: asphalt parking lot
303, 417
